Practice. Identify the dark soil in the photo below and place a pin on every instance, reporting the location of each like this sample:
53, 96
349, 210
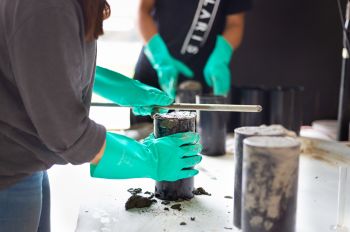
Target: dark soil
193, 218
200, 191
228, 197
134, 191
136, 201
176, 206
183, 223
165, 202
166, 208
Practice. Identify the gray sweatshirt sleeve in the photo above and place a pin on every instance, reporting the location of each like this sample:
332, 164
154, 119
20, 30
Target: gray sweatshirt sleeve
47, 60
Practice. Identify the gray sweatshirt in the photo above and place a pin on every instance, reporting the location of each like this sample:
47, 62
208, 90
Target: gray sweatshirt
46, 79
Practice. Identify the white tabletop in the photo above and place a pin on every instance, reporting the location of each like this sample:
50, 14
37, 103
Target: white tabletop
102, 206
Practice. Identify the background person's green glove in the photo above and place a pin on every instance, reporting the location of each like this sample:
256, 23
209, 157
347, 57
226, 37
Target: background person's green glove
128, 92
217, 71
160, 159
167, 67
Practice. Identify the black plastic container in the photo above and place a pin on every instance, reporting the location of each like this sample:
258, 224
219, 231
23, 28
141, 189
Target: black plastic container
254, 96
168, 124
241, 134
187, 92
233, 121
270, 184
286, 107
212, 126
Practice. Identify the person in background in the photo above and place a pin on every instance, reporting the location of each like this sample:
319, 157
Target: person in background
47, 74
189, 39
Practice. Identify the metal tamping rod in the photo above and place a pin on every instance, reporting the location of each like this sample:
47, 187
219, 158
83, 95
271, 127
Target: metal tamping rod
202, 107
213, 107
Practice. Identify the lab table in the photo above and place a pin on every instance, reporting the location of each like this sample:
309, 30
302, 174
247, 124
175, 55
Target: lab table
103, 205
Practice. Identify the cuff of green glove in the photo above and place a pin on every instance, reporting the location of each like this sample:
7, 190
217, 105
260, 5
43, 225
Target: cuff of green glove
104, 168
156, 49
92, 170
224, 48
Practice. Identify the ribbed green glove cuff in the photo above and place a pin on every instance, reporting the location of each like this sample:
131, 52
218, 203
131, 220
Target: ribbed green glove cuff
223, 49
156, 50
109, 83
124, 158
104, 168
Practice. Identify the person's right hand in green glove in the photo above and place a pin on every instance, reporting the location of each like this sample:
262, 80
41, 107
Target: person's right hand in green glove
128, 92
163, 159
167, 67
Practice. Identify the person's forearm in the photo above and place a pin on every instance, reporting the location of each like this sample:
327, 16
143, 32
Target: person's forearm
146, 24
234, 28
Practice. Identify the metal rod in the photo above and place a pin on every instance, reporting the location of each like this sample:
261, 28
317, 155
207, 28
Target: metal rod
214, 107
201, 107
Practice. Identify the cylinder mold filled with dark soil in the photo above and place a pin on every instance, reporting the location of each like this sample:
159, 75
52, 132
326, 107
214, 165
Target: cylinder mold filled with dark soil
241, 134
168, 124
212, 126
187, 92
270, 184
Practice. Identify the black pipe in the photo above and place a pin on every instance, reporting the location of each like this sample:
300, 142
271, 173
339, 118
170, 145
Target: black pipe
286, 107
187, 91
212, 126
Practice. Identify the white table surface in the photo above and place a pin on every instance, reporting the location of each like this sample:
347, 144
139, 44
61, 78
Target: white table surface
102, 201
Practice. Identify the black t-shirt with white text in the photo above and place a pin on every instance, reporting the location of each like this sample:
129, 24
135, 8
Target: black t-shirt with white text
189, 29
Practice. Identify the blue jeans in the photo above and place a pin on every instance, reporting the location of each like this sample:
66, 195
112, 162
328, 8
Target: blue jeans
25, 206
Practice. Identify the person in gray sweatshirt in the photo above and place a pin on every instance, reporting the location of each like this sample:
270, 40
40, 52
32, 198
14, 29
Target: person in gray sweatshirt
47, 74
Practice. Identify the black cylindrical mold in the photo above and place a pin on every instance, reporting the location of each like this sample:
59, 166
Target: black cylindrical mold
241, 134
187, 91
168, 124
270, 184
212, 127
233, 121
254, 96
286, 107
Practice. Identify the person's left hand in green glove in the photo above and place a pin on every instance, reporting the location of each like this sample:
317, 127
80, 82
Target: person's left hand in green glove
216, 71
169, 158
167, 67
128, 92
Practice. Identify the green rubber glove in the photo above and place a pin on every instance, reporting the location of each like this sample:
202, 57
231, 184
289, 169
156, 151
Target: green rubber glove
217, 71
167, 67
160, 159
128, 92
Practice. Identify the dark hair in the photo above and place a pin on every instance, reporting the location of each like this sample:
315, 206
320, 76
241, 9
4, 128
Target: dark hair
94, 11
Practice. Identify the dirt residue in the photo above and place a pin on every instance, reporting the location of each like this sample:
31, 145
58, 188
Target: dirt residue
200, 191
177, 207
309, 149
134, 191
165, 202
136, 201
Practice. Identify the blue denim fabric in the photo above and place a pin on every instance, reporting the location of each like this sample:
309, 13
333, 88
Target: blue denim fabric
25, 206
